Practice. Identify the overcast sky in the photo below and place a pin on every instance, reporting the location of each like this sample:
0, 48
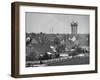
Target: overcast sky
43, 22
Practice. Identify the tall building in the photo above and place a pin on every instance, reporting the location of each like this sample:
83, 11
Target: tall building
74, 26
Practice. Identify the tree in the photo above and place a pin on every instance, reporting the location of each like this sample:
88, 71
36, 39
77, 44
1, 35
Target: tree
60, 48
56, 41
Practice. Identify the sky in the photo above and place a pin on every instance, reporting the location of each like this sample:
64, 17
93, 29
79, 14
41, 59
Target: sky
55, 23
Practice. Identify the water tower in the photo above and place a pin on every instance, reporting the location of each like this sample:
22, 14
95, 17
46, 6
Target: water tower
74, 26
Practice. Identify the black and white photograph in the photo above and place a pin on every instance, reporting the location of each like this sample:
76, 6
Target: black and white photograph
57, 39
53, 39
